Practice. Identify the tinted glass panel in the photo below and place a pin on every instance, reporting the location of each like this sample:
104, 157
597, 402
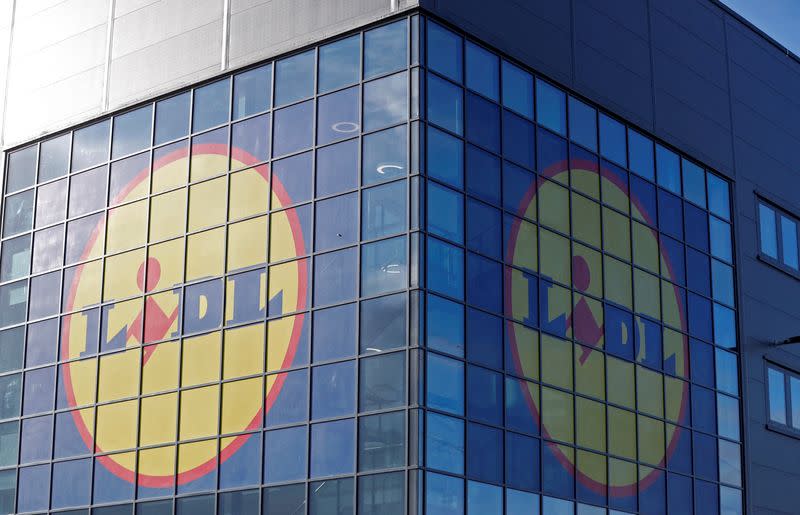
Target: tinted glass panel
252, 91
54, 158
132, 131
385, 49
172, 118
294, 78
339, 63
483, 71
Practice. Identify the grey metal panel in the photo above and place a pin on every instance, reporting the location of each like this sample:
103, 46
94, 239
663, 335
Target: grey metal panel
57, 23
631, 14
123, 7
701, 18
782, 107
169, 64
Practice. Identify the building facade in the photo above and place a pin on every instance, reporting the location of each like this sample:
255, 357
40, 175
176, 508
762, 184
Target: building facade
398, 259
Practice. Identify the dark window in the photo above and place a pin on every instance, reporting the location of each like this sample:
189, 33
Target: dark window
783, 389
778, 236
445, 52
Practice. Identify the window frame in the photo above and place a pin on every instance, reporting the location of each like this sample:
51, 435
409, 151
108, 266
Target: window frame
762, 200
788, 428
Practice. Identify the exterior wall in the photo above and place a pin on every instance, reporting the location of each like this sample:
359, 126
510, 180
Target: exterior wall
72, 60
695, 75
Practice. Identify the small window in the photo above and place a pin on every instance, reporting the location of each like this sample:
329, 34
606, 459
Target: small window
783, 389
778, 236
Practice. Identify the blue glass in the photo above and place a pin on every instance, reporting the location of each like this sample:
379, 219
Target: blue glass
18, 216
383, 323
333, 448
705, 456
37, 438
384, 266
697, 271
484, 499
728, 416
776, 388
668, 169
724, 327
789, 239
385, 155
612, 140
694, 183
768, 231
386, 101
643, 200
445, 270
90, 145
699, 317
285, 454
673, 252
291, 406
522, 462
484, 338
445, 52
381, 494
445, 157
336, 222
484, 283
39, 392
553, 506
334, 333
558, 477
11, 353
385, 49
519, 140
444, 495
518, 406
640, 155
727, 372
719, 201
730, 500
335, 276
339, 63
652, 499
172, 118
551, 107
696, 224
337, 116
21, 169
383, 210
445, 384
484, 228
617, 324
517, 89
484, 395
132, 131
483, 123
294, 174
294, 78
670, 214
551, 154
483, 175
704, 409
71, 483
702, 363
381, 441
13, 303
722, 282
483, 71
337, 168
195, 505
444, 448
522, 503
679, 494
333, 390
293, 128
445, 104
445, 212
382, 381
243, 502
484, 453
211, 105
445, 327
251, 136
252, 91
518, 187
11, 392
42, 343
54, 152
32, 482
8, 482
582, 124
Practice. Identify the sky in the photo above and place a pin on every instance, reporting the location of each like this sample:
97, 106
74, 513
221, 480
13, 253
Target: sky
778, 18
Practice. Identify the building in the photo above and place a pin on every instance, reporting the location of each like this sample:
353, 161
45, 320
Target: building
389, 257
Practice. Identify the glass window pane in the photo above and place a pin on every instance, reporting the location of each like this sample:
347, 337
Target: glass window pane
16, 258
551, 108
48, 248
294, 128
381, 494
172, 118
382, 381
336, 222
612, 140
518, 141
90, 145
292, 184
483, 175
444, 443
384, 266
484, 395
582, 123
668, 169
211, 105
789, 242
777, 396
334, 333
386, 101
197, 505
385, 49
13, 303
11, 342
32, 482
444, 495
9, 438
132, 131
483, 71
522, 503
332, 448
284, 499
640, 155
724, 327
331, 497
11, 393
381, 441
718, 196
445, 104
87, 191
383, 323
337, 116
285, 454
54, 158
483, 123
243, 502
484, 499
383, 211
252, 91
767, 230
517, 89
51, 203
385, 155
445, 331
333, 390
445, 271
339, 63
694, 183
444, 51
337, 168
37, 437
18, 213
445, 212
445, 157
21, 171
522, 461
294, 78
445, 384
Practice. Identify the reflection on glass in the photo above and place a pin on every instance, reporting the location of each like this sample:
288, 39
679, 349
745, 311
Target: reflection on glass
16, 258
483, 71
18, 213
21, 171
582, 123
668, 169
338, 116
333, 390
339, 63
381, 441
769, 238
385, 156
386, 101
789, 241
11, 342
384, 266
383, 323
123, 175
444, 51
54, 158
383, 211
517, 89
332, 497
446, 157
294, 78
337, 168
385, 49
132, 131
13, 303
551, 108
172, 118
335, 276
445, 104
333, 448
88, 191
211, 104
90, 145
777, 396
250, 140
444, 447
381, 382
336, 222
252, 91
381, 494
294, 128
612, 140
444, 495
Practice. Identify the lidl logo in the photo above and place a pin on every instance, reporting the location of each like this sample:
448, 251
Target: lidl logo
544, 300
146, 333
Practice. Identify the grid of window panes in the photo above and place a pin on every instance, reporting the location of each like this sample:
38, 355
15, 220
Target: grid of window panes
783, 398
168, 269
581, 336
778, 235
